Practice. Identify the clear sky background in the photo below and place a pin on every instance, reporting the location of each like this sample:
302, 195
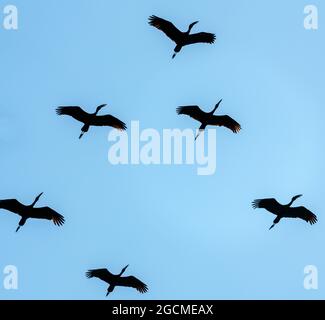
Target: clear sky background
186, 236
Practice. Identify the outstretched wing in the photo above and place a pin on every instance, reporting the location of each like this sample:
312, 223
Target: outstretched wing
74, 112
108, 120
302, 213
102, 274
269, 204
132, 282
225, 121
201, 37
47, 213
166, 27
12, 205
193, 111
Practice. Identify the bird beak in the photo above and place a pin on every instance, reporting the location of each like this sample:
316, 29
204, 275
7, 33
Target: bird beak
219, 102
272, 226
17, 228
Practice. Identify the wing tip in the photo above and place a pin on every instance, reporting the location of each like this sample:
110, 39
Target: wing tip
152, 19
59, 111
256, 203
237, 128
313, 219
179, 110
58, 220
143, 289
121, 127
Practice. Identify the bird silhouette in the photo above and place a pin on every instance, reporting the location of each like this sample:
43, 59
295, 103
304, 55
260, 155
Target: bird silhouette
117, 280
90, 119
285, 211
181, 38
208, 118
30, 211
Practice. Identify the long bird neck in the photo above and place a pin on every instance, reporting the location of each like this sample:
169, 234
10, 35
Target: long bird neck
120, 274
189, 29
214, 109
98, 109
35, 201
122, 271
291, 202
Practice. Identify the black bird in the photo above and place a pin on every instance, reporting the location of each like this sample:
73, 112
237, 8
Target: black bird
207, 118
285, 211
116, 280
90, 119
27, 212
181, 38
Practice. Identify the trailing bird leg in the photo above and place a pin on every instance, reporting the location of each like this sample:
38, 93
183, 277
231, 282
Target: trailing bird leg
276, 220
84, 129
110, 289
198, 134
201, 129
176, 50
21, 223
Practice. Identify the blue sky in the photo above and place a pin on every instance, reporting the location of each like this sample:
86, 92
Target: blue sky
186, 236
